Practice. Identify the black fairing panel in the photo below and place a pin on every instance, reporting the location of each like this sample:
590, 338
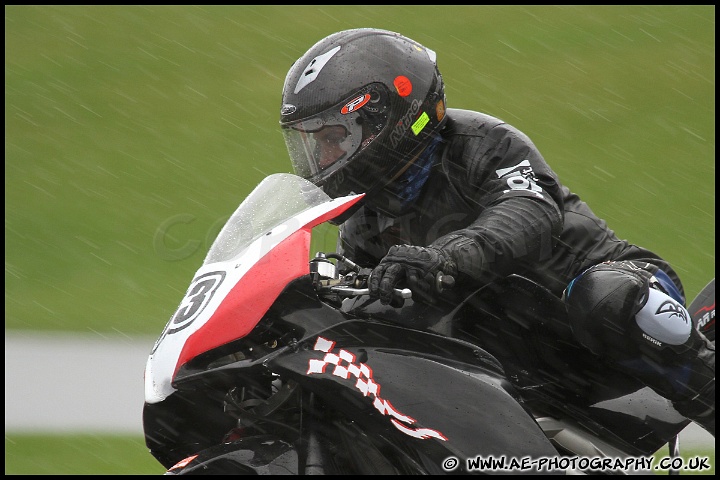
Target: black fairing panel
526, 328
430, 394
184, 422
259, 455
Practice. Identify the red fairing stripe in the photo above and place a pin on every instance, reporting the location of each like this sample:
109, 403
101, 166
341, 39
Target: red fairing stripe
334, 212
251, 297
706, 309
256, 291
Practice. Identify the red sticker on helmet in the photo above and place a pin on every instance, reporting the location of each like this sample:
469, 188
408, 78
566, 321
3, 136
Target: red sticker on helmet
403, 85
440, 110
355, 104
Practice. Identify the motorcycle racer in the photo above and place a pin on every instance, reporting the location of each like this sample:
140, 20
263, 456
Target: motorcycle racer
461, 193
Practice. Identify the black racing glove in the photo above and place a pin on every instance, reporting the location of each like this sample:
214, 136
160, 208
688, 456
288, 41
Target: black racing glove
418, 268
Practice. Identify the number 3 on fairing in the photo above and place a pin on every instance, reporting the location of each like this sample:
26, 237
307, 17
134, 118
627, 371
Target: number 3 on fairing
196, 299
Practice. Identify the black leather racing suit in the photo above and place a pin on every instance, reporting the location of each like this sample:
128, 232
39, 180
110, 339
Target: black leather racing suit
489, 183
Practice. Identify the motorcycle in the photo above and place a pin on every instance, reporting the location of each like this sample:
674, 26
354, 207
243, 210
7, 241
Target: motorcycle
279, 363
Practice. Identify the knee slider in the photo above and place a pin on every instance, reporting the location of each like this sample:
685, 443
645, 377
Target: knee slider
663, 321
602, 303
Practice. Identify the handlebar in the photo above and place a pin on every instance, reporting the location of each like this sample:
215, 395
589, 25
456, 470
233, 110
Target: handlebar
354, 283
444, 282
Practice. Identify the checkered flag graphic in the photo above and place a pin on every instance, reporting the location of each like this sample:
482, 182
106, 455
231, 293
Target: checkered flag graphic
344, 366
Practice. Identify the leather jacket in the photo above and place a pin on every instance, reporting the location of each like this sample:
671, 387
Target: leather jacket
493, 203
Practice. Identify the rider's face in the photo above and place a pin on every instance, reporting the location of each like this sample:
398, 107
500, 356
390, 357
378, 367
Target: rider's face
328, 148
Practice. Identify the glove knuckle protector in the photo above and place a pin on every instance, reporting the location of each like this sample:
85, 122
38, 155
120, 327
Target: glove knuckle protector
464, 253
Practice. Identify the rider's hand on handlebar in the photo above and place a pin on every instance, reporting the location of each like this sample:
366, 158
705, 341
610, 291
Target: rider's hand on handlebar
419, 268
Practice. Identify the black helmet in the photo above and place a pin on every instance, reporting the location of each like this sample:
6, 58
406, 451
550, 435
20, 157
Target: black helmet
358, 107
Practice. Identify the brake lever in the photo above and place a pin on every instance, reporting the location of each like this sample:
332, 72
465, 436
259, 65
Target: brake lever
354, 292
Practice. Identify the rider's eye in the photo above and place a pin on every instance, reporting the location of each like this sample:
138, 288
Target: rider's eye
334, 138
331, 136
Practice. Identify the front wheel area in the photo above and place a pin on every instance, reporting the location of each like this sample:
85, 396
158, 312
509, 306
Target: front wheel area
302, 438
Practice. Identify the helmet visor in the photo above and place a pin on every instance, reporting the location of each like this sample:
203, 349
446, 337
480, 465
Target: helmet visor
322, 144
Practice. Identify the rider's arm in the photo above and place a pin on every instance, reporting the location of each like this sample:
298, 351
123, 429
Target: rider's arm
519, 199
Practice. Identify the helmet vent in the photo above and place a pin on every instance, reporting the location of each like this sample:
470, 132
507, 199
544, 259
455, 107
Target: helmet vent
313, 69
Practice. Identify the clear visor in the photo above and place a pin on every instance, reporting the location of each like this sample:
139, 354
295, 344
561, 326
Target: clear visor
320, 145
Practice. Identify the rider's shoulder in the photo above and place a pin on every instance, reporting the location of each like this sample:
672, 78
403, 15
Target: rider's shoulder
469, 135
462, 122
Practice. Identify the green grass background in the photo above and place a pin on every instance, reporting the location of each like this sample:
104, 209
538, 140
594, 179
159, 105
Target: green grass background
133, 132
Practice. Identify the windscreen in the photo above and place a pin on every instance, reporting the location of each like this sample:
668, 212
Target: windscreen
275, 199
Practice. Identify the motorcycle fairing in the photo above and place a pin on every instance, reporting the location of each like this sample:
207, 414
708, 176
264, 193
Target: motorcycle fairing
457, 404
526, 328
228, 298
